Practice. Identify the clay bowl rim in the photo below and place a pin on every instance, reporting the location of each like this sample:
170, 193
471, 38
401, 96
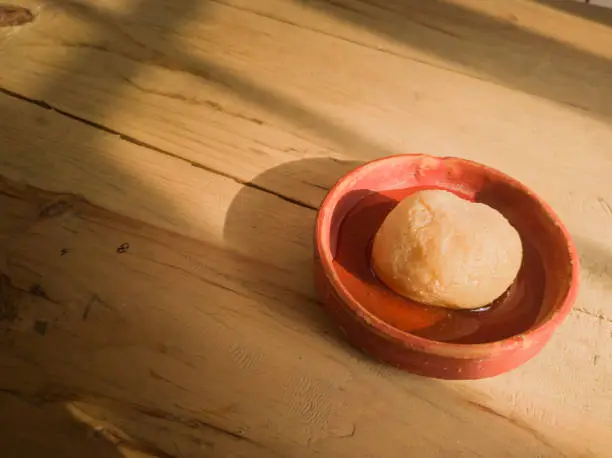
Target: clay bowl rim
455, 350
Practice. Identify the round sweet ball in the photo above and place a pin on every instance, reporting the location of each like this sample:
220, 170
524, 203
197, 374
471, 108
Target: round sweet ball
439, 249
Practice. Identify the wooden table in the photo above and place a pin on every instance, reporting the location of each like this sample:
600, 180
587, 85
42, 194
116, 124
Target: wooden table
161, 162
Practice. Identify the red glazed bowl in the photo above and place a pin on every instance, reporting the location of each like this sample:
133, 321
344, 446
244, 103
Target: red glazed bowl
430, 341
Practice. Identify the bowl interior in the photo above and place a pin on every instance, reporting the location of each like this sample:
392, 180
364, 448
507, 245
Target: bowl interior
356, 207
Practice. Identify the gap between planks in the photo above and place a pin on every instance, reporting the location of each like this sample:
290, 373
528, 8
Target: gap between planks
130, 139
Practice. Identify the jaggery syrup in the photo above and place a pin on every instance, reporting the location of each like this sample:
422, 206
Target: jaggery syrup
514, 312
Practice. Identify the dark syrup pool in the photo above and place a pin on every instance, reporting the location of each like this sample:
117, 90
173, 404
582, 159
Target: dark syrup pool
514, 312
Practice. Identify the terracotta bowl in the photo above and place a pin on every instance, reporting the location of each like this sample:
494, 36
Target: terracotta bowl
431, 341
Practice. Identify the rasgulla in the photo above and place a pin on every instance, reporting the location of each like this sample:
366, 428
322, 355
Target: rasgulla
439, 249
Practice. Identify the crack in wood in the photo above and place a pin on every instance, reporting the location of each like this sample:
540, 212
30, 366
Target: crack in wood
411, 19
435, 28
281, 196
599, 316
154, 375
193, 423
518, 423
9, 292
218, 107
315, 185
38, 399
345, 7
193, 101
199, 277
140, 143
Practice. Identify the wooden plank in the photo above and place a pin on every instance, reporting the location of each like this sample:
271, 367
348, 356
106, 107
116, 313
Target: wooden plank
206, 330
171, 193
91, 82
228, 96
172, 337
200, 106
193, 334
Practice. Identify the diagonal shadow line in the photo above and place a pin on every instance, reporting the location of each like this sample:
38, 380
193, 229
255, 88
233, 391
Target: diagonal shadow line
161, 53
589, 11
173, 17
349, 141
504, 52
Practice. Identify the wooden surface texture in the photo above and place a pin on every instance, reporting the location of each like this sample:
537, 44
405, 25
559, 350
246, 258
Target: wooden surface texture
161, 163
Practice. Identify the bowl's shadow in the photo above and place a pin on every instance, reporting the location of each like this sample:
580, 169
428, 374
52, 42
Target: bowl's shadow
255, 223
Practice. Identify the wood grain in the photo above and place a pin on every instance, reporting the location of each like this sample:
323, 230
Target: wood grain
200, 137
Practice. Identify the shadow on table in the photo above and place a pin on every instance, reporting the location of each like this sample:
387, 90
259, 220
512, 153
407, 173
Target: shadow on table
302, 183
38, 427
150, 45
252, 208
500, 50
591, 12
